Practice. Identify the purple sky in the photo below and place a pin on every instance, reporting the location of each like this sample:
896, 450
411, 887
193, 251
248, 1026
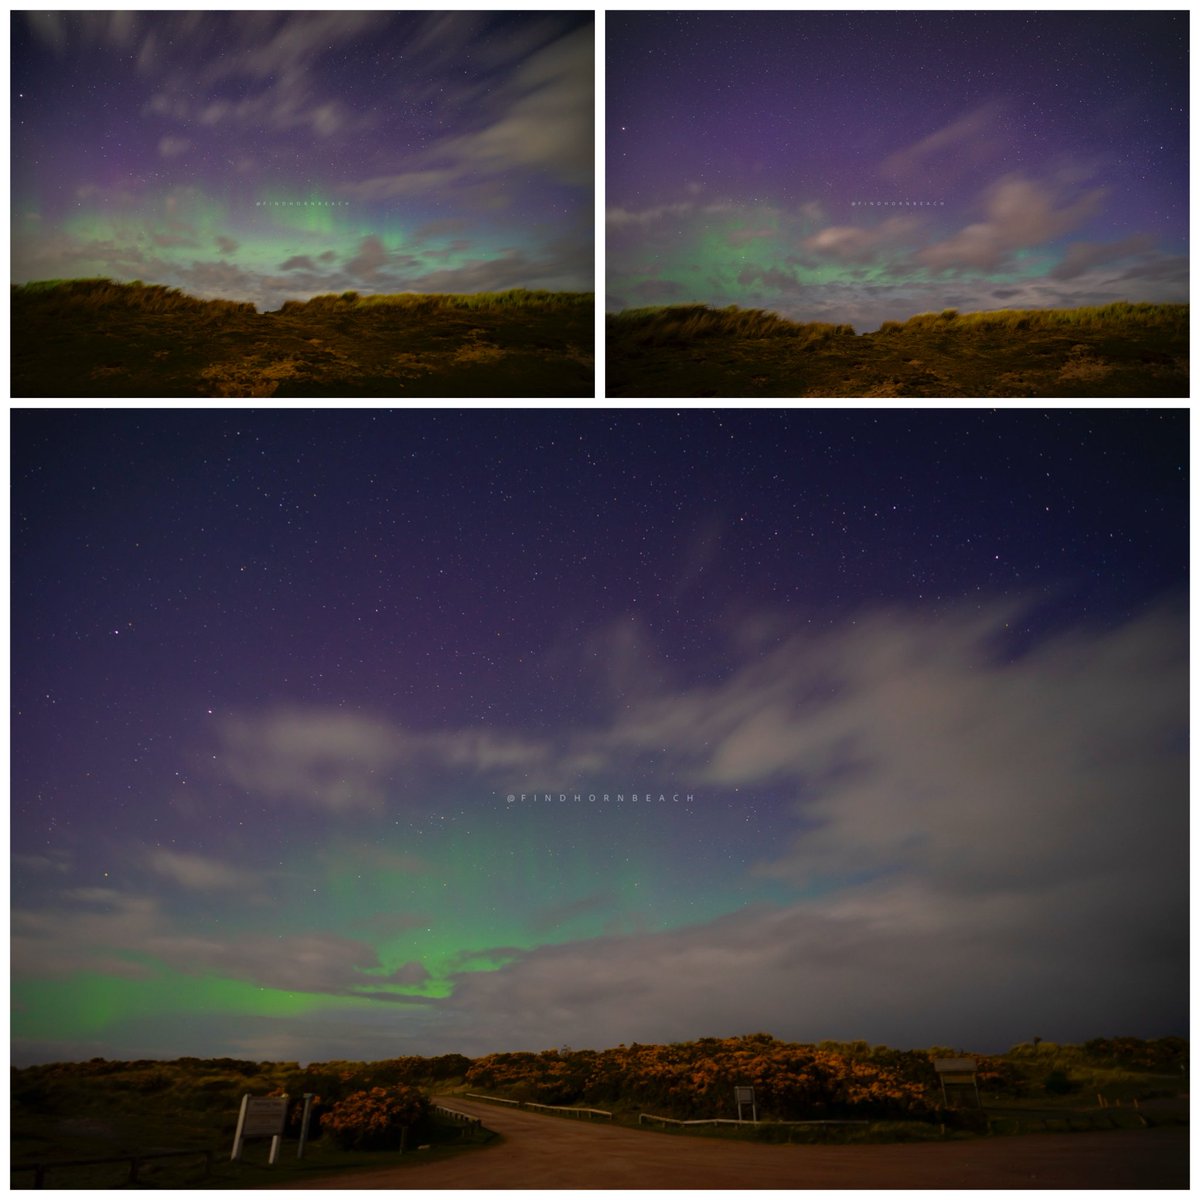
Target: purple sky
268, 156
859, 166
917, 678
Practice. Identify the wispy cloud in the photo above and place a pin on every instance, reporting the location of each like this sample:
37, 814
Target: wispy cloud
970, 141
343, 762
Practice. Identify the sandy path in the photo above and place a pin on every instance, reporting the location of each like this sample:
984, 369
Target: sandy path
554, 1152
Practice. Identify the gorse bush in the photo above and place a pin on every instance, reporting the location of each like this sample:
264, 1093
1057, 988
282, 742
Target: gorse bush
375, 1119
695, 1079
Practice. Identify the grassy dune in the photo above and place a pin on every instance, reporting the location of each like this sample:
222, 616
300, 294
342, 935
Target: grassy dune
97, 338
1117, 350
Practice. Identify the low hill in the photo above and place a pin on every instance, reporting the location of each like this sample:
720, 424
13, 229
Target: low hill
97, 338
1117, 350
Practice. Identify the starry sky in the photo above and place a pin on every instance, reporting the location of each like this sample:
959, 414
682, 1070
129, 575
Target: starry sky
267, 156
864, 166
907, 691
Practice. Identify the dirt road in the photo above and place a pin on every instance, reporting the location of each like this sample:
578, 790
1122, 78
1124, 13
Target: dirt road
554, 1152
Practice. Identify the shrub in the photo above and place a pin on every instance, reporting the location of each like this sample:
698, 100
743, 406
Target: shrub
375, 1119
1059, 1083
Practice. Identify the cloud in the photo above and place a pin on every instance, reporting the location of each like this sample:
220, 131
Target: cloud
112, 30
539, 121
342, 762
969, 141
172, 147
996, 833
110, 931
770, 277
297, 41
298, 262
275, 52
851, 243
196, 872
49, 28
548, 122
409, 975
1083, 256
990, 826
331, 760
741, 237
622, 217
226, 245
371, 255
1021, 213
167, 240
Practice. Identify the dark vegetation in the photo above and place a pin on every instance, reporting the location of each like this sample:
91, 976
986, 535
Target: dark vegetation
97, 338
66, 1111
1117, 350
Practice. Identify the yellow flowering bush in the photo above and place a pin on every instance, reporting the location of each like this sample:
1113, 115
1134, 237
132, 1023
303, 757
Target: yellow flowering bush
373, 1120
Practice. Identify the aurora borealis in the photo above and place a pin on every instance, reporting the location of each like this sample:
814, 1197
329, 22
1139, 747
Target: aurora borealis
267, 156
868, 165
912, 688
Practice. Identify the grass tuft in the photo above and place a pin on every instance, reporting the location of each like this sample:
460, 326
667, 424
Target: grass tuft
688, 322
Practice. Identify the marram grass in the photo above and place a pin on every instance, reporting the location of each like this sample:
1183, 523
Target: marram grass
685, 322
1121, 312
101, 293
77, 294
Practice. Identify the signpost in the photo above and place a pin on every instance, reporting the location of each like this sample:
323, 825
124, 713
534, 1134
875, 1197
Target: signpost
261, 1116
745, 1099
957, 1073
308, 1099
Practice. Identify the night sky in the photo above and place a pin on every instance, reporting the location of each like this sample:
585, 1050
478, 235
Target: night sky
862, 166
272, 155
912, 684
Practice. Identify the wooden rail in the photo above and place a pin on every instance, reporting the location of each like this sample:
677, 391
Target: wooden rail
730, 1121
568, 1110
135, 1161
457, 1116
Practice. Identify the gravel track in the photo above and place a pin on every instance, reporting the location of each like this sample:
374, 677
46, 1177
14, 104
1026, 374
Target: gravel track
540, 1151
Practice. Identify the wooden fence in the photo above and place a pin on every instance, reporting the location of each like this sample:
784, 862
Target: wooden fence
564, 1109
730, 1121
41, 1169
568, 1111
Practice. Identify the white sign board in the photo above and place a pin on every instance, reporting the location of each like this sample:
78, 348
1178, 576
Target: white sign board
265, 1116
954, 1066
261, 1116
745, 1099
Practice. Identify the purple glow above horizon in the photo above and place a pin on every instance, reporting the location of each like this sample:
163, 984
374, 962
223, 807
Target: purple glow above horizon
861, 166
275, 675
267, 156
